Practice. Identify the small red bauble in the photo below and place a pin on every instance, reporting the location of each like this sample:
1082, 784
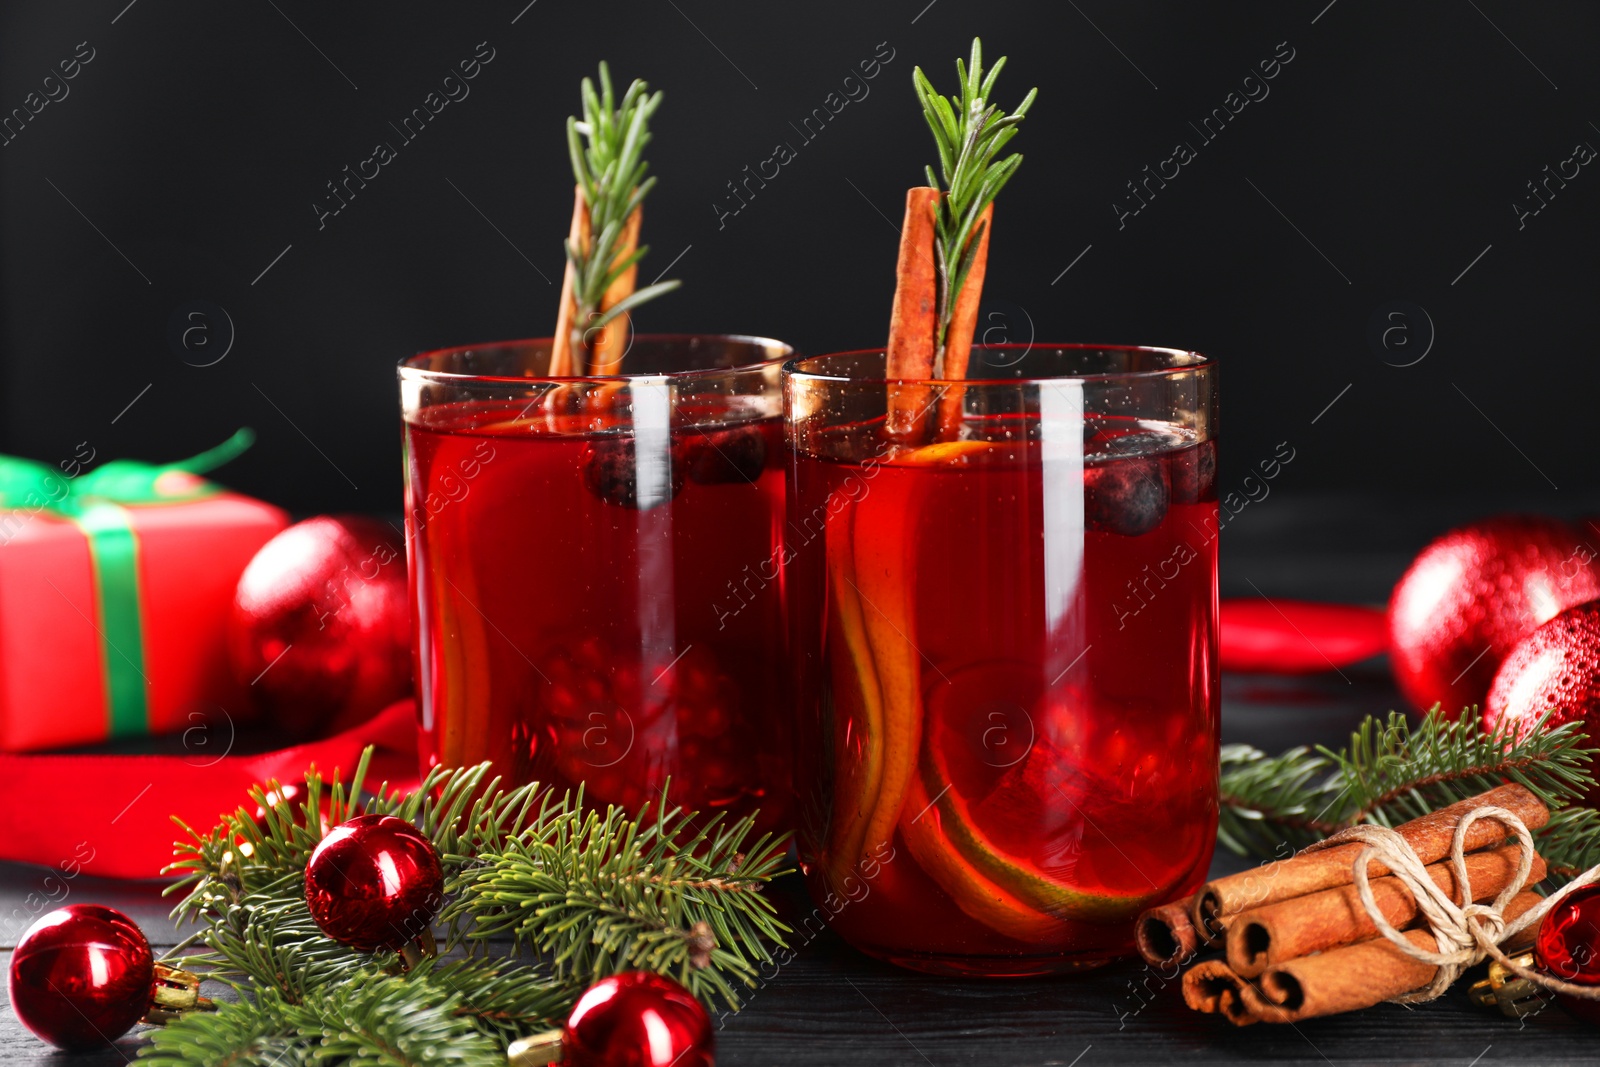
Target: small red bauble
1557, 666
294, 793
1569, 947
82, 976
1472, 594
321, 625
638, 1019
374, 882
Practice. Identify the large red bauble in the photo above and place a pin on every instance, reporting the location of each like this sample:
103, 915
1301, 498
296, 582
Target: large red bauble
82, 976
321, 625
638, 1019
1473, 594
1557, 666
1569, 947
374, 882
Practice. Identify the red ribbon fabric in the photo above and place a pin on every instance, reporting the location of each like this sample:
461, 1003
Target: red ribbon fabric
1298, 636
112, 815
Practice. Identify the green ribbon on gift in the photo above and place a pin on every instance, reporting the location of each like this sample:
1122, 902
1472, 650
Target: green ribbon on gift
95, 502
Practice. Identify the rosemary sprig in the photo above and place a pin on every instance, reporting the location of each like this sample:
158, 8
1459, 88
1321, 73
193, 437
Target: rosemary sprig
607, 149
969, 132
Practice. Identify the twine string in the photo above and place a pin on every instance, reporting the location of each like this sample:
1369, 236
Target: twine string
1465, 933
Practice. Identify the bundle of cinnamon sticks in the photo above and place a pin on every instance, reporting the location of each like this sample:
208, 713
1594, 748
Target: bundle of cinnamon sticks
1295, 939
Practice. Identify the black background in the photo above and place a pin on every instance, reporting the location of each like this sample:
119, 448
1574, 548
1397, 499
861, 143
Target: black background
1385, 160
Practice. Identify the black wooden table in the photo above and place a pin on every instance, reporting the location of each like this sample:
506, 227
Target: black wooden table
831, 1007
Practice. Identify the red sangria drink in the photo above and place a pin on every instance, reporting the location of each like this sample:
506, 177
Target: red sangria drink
595, 570
1004, 631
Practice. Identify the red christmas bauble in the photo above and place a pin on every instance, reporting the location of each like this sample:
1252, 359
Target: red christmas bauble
81, 976
1557, 666
1472, 594
1569, 947
321, 625
295, 794
374, 882
638, 1019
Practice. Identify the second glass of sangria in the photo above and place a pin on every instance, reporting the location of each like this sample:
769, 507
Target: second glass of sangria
1003, 600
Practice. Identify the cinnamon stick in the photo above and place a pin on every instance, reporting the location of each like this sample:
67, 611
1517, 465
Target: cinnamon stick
1355, 976
610, 343
913, 322
1165, 936
1313, 870
1212, 987
1263, 936
963, 323
563, 360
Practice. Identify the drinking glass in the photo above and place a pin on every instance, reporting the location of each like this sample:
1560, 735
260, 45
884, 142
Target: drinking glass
1003, 618
594, 569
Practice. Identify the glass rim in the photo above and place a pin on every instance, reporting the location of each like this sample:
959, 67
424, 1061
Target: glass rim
1201, 362
407, 370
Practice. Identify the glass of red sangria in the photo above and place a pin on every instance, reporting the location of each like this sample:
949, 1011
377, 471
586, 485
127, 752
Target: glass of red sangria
595, 569
1003, 617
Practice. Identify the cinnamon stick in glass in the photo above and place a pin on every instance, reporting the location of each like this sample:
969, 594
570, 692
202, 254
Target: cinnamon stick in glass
610, 343
1260, 937
564, 362
1165, 936
1327, 868
1355, 976
913, 321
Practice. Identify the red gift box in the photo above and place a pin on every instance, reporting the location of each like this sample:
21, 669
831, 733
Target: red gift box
115, 590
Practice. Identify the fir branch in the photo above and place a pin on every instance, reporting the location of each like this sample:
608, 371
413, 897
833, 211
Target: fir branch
384, 1021
1392, 772
594, 893
243, 1034
225, 864
607, 150
1570, 842
1395, 773
269, 941
600, 894
394, 1022
505, 1002
1271, 799
305, 968
461, 811
969, 132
